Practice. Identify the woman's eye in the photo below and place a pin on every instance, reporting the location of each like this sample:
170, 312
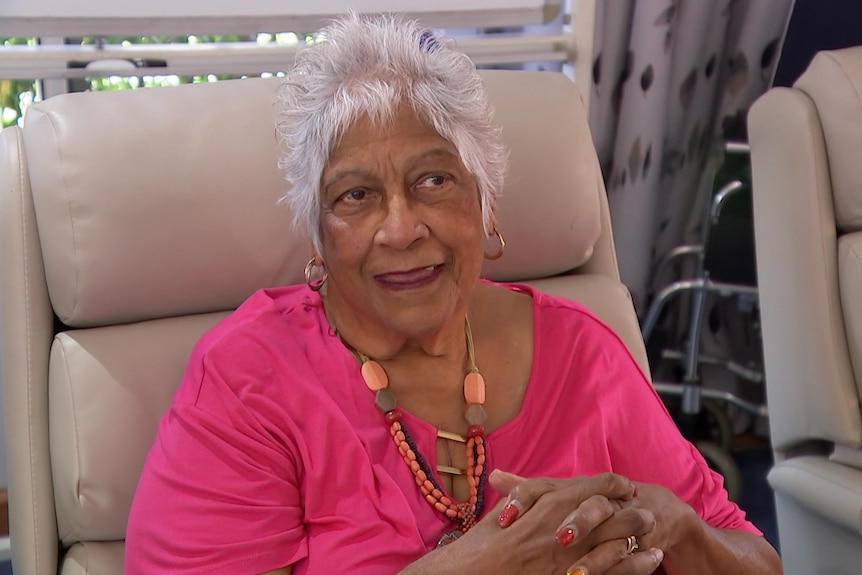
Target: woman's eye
433, 181
354, 195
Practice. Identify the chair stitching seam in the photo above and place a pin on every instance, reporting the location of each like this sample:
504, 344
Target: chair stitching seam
76, 268
28, 339
77, 446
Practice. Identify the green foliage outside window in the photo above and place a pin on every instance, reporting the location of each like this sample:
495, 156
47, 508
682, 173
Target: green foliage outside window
106, 83
15, 95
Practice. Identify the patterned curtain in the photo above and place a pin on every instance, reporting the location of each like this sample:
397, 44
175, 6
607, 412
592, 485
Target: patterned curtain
672, 78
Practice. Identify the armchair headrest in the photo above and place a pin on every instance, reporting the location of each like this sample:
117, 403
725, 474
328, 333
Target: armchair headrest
159, 202
162, 202
550, 208
833, 81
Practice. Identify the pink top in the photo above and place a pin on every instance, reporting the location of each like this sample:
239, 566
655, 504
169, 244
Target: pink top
273, 452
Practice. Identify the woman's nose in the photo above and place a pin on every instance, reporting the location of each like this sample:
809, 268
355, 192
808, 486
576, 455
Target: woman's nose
401, 224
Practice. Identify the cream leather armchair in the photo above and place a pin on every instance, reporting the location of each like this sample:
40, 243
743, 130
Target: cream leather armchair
130, 222
806, 144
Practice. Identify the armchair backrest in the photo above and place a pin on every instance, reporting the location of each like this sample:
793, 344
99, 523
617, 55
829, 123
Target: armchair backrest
130, 222
806, 144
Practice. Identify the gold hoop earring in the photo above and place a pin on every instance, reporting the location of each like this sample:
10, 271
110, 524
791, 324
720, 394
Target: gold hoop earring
499, 253
309, 280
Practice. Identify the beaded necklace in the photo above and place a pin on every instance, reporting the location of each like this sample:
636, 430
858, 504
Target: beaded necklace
466, 513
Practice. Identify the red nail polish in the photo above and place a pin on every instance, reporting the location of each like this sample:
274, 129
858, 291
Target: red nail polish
565, 535
508, 515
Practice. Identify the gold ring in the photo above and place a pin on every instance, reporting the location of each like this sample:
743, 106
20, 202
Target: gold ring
631, 544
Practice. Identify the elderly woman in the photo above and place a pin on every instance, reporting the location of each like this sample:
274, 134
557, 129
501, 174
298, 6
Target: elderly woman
345, 425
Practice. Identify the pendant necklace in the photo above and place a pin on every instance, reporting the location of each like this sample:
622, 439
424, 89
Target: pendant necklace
464, 514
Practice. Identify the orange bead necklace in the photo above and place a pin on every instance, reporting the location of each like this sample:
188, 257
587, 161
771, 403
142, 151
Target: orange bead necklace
466, 513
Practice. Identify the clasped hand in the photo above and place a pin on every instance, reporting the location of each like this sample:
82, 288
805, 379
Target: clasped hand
603, 524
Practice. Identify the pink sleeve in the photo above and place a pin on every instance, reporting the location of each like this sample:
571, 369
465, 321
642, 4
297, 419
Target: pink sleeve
646, 445
220, 490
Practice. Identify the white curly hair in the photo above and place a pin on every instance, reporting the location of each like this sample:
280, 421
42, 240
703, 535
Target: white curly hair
369, 66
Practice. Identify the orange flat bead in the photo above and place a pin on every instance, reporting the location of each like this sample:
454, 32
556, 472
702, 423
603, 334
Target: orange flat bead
474, 388
374, 375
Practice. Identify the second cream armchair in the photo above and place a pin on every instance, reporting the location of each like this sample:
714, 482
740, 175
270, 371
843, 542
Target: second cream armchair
806, 146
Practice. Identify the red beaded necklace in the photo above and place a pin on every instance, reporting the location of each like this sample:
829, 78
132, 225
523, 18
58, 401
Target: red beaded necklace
466, 513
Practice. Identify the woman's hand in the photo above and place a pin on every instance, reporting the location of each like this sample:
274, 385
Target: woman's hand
589, 518
675, 519
560, 526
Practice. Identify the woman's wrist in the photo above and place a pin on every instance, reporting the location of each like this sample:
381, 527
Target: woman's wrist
687, 547
468, 555
709, 550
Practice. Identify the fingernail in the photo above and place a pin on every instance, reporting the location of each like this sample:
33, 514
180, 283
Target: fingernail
576, 571
565, 535
659, 555
508, 515
635, 492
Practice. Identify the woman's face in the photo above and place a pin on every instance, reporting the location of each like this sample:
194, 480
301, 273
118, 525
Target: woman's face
402, 228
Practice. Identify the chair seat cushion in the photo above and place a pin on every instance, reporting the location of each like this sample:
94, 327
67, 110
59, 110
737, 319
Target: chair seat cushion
108, 388
849, 284
832, 490
94, 558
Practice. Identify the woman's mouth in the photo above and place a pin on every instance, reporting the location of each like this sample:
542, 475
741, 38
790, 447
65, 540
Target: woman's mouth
410, 279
